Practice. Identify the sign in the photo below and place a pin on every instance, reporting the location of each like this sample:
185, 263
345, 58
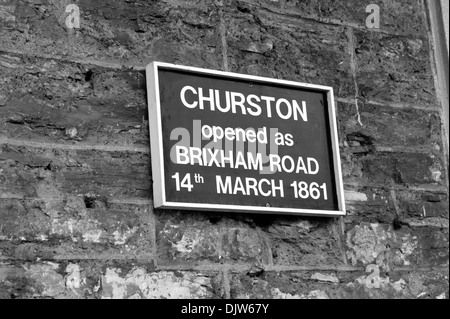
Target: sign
222, 141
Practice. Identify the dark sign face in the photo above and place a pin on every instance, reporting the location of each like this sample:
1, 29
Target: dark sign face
232, 142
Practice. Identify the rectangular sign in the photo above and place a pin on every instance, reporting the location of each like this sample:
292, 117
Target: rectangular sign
223, 141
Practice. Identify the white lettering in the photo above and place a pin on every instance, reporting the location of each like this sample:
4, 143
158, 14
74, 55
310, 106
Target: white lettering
202, 99
289, 109
257, 109
249, 186
183, 97
235, 102
302, 111
238, 103
268, 100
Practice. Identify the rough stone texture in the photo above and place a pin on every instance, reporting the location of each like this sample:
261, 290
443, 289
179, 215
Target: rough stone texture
401, 168
33, 230
115, 31
45, 173
303, 242
89, 105
76, 212
359, 285
258, 45
260, 241
382, 127
377, 244
90, 280
394, 69
398, 16
138, 284
377, 204
186, 237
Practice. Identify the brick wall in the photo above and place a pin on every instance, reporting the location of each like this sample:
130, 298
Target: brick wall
76, 212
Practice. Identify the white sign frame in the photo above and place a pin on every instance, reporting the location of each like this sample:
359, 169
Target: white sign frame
157, 156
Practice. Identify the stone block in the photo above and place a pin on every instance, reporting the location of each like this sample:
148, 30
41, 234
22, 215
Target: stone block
190, 237
66, 229
391, 248
394, 69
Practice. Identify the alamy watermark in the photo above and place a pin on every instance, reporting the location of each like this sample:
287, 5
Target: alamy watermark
373, 20
73, 19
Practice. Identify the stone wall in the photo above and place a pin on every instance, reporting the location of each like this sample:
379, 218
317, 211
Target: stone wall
76, 212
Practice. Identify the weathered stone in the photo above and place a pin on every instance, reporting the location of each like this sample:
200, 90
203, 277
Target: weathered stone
65, 227
428, 222
294, 49
48, 282
387, 127
325, 278
382, 245
396, 168
41, 173
372, 284
7, 13
74, 279
110, 107
3, 100
380, 206
303, 242
115, 32
139, 284
272, 287
395, 16
187, 237
352, 196
52, 280
394, 69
